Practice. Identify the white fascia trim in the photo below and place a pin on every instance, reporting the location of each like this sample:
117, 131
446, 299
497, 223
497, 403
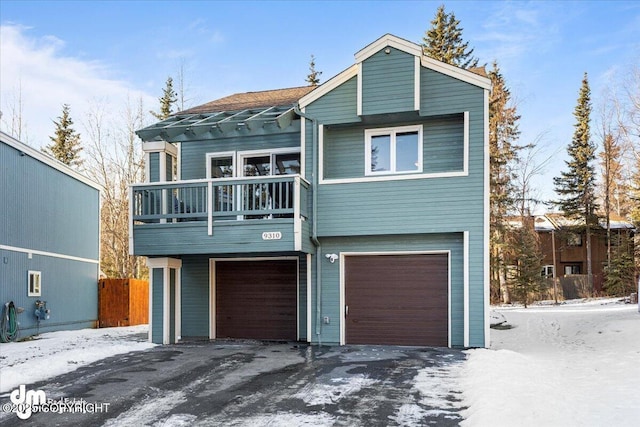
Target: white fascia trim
47, 160
388, 40
166, 306
486, 235
150, 305
465, 288
147, 167
328, 86
160, 146
297, 222
303, 142
320, 153
455, 72
394, 177
416, 83
343, 255
465, 152
178, 312
49, 254
359, 90
163, 166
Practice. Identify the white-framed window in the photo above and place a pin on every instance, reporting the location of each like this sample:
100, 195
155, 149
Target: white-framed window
547, 271
34, 283
221, 165
396, 150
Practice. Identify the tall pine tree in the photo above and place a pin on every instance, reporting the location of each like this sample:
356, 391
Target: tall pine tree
65, 144
576, 186
503, 134
313, 78
443, 41
167, 100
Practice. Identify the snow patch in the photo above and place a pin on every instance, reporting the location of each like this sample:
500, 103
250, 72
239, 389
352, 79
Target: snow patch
338, 388
57, 353
146, 412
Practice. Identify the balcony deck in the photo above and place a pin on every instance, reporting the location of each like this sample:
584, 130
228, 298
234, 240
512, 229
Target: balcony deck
224, 215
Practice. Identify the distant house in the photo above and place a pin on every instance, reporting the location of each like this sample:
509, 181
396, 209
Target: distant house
354, 212
565, 250
49, 240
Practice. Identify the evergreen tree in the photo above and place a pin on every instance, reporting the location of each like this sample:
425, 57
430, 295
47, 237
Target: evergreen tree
313, 78
443, 41
620, 272
576, 186
503, 133
65, 144
167, 100
528, 256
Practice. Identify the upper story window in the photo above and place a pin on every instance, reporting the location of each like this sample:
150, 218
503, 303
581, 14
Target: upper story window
393, 150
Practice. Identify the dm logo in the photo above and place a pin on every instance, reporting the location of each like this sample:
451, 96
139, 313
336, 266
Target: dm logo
26, 401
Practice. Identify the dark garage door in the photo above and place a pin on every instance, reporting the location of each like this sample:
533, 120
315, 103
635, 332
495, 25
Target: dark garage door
256, 299
397, 299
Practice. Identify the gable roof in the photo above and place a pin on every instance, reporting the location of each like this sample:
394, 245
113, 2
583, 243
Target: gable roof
252, 100
476, 76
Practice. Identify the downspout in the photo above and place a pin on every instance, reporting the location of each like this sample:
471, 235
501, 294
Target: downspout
314, 224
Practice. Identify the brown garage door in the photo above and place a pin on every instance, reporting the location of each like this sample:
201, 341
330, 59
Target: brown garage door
397, 299
256, 299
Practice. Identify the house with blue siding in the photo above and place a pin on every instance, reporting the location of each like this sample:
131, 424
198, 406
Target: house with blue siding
353, 212
49, 240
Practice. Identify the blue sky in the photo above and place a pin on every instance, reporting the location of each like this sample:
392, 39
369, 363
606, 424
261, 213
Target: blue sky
85, 53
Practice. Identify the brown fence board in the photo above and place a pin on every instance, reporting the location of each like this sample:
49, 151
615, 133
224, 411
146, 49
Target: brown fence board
122, 302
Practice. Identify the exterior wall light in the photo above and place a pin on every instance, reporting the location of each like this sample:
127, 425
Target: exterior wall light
332, 257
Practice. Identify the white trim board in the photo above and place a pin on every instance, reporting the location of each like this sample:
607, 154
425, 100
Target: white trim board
50, 254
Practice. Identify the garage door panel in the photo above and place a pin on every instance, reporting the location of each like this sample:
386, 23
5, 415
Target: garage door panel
397, 299
256, 299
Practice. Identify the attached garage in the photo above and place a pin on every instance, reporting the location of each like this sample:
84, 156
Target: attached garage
256, 299
397, 299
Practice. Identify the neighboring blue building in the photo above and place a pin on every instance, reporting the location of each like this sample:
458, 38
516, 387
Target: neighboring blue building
354, 212
49, 240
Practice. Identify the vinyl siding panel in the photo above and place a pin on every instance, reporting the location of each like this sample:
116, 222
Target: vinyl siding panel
45, 209
418, 242
195, 296
69, 287
194, 153
154, 167
388, 82
442, 94
338, 106
157, 292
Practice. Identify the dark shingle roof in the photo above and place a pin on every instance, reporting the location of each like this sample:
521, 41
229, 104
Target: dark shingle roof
251, 100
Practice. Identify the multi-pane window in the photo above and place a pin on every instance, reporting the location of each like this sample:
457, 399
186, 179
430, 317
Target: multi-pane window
34, 284
393, 150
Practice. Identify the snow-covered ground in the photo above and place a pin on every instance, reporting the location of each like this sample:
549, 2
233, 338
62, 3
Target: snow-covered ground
573, 364
576, 364
56, 353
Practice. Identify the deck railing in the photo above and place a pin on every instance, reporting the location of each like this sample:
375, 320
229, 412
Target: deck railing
284, 196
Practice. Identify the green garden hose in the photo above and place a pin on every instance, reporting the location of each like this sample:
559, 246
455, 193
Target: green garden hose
9, 328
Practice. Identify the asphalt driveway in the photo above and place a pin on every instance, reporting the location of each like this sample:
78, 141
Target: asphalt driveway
259, 384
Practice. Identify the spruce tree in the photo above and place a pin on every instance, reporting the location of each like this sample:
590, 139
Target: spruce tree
576, 186
65, 144
503, 134
443, 41
526, 251
313, 78
167, 100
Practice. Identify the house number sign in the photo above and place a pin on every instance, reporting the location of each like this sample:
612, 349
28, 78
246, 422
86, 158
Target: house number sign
272, 235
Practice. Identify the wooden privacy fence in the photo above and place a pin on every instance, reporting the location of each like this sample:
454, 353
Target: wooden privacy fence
122, 302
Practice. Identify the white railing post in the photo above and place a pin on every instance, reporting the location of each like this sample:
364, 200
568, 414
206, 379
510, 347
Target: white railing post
210, 208
163, 206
